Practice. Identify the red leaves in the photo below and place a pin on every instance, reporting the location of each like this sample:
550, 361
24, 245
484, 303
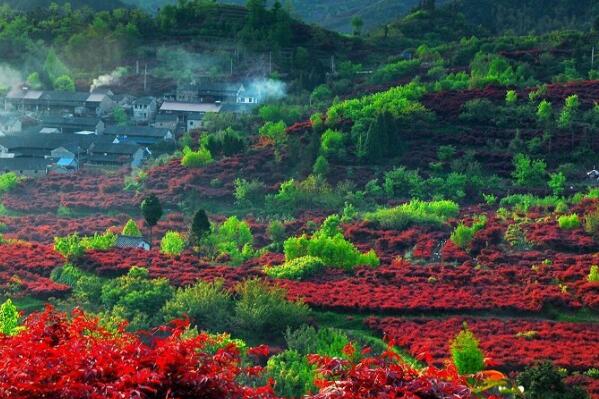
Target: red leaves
55, 357
510, 344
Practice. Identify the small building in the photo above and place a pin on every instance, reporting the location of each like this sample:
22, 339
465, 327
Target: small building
207, 91
100, 103
144, 109
185, 111
23, 99
143, 135
116, 155
72, 124
132, 242
27, 167
166, 121
63, 102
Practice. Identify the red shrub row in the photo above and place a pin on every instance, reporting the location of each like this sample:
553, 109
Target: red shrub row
509, 344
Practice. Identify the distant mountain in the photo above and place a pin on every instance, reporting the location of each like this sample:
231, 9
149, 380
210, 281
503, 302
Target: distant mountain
335, 15
30, 5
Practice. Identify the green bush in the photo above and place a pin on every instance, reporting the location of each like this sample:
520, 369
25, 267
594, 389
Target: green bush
70, 246
208, 305
593, 274
330, 246
99, 242
557, 183
296, 269
569, 222
591, 222
292, 373
8, 181
313, 192
321, 166
131, 229
465, 353
523, 202
414, 212
263, 312
196, 159
511, 97
9, 319
544, 381
544, 111
396, 70
331, 143
67, 274
227, 142
172, 243
249, 193
529, 173
462, 235
233, 238
136, 297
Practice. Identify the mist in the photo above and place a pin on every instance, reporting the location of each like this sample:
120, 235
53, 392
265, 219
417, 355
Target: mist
9, 77
269, 89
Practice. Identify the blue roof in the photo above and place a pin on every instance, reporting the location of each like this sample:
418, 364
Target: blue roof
65, 162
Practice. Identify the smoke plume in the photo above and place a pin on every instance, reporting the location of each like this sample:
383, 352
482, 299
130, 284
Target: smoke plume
9, 77
113, 78
269, 89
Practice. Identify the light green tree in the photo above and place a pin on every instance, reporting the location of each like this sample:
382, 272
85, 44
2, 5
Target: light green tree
9, 319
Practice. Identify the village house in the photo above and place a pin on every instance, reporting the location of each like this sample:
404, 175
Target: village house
144, 109
73, 124
143, 135
209, 92
23, 99
166, 121
100, 102
189, 113
27, 167
132, 242
116, 155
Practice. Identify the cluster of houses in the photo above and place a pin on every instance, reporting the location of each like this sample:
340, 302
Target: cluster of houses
43, 131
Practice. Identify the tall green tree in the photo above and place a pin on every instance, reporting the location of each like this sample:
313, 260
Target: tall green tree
200, 226
151, 208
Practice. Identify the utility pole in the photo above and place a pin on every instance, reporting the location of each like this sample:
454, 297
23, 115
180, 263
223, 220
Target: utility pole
231, 73
270, 62
137, 67
146, 78
593, 58
333, 65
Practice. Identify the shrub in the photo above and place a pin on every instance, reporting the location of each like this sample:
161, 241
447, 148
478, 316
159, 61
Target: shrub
446, 153
465, 353
263, 312
200, 226
511, 97
248, 193
462, 235
9, 319
331, 143
594, 274
234, 238
136, 297
330, 246
414, 212
208, 305
292, 373
70, 246
99, 242
296, 269
401, 182
557, 183
544, 111
131, 229
67, 274
8, 181
591, 222
172, 243
544, 381
227, 142
529, 172
196, 159
569, 222
276, 132
321, 166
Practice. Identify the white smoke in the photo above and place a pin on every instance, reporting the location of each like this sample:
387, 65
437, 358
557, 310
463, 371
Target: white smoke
113, 78
9, 77
269, 89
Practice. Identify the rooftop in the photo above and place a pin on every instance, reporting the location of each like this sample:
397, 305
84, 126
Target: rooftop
171, 106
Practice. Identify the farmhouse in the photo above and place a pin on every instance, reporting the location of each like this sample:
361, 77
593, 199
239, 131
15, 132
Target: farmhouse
29, 167
187, 112
144, 109
132, 242
143, 135
116, 155
73, 124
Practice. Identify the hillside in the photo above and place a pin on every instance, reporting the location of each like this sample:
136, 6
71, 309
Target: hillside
30, 5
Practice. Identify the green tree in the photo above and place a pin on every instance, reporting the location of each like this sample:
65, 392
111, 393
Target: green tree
64, 83
200, 226
529, 172
34, 81
119, 115
208, 304
9, 319
54, 67
321, 166
172, 243
593, 276
544, 111
151, 210
131, 229
557, 183
70, 246
357, 24
292, 373
276, 132
465, 353
511, 97
196, 159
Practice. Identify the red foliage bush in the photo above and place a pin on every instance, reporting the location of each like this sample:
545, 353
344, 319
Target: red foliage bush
571, 345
